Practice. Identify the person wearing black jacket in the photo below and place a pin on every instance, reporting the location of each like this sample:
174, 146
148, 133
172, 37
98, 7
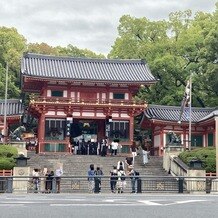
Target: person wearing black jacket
113, 179
48, 181
98, 174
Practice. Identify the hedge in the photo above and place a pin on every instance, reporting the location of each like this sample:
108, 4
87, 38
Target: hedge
206, 155
7, 155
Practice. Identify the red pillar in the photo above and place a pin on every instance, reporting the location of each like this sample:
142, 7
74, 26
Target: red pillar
41, 133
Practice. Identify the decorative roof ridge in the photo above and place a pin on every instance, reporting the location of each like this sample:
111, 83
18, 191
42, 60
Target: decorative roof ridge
179, 107
83, 59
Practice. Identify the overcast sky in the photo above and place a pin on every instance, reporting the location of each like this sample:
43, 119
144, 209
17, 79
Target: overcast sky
90, 24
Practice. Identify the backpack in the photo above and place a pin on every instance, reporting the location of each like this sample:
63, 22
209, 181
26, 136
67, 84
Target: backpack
122, 177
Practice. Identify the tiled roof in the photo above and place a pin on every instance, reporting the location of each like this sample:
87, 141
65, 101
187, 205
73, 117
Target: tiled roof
172, 113
212, 114
70, 68
14, 107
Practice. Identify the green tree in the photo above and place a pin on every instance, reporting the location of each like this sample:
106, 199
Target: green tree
12, 45
41, 48
173, 49
73, 51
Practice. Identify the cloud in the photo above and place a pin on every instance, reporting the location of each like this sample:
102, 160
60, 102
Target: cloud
90, 24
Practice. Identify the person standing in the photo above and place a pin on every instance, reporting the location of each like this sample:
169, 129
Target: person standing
121, 183
91, 177
133, 150
133, 176
104, 147
98, 175
119, 164
113, 179
145, 155
36, 179
83, 147
48, 181
114, 146
43, 180
58, 174
129, 163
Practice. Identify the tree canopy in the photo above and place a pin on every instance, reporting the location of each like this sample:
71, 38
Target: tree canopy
174, 49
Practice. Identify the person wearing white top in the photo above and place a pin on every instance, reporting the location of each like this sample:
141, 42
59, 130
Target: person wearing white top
145, 156
114, 146
58, 174
36, 179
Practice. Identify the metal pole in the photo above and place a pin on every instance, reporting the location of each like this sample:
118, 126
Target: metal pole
5, 106
190, 114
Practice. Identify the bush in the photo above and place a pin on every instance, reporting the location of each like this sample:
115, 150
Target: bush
7, 155
7, 163
8, 151
206, 155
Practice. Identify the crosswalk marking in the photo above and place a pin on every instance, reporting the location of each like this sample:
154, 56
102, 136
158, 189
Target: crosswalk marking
184, 202
150, 203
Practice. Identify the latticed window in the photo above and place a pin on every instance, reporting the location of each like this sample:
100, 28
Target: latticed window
55, 129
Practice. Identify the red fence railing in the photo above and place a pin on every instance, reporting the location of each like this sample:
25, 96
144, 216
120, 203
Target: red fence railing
6, 172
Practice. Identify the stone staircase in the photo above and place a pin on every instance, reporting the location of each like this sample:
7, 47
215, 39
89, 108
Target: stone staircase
78, 165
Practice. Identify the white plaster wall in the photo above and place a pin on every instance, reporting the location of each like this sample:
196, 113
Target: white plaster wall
115, 115
126, 96
65, 93
76, 114
111, 95
50, 113
124, 115
103, 96
61, 113
100, 115
88, 114
48, 93
72, 95
156, 140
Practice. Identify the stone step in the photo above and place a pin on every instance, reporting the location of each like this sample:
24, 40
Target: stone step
79, 164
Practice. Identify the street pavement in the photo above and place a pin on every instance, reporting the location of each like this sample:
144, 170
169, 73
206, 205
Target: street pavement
108, 205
